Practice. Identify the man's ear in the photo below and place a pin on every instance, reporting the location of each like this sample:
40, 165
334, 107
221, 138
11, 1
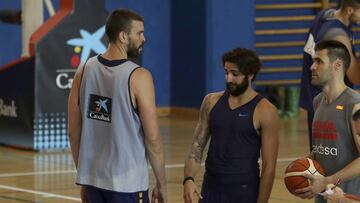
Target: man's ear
123, 37
338, 64
349, 10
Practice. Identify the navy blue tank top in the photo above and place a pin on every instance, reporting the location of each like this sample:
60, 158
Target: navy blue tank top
318, 29
235, 144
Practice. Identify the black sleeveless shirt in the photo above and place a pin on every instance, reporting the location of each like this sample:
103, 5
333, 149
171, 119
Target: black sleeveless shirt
235, 144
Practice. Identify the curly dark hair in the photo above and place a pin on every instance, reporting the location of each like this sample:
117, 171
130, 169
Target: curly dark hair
246, 61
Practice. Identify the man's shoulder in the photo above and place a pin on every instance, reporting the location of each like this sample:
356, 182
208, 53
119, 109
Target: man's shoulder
140, 78
266, 112
265, 105
353, 95
330, 26
130, 62
140, 72
328, 13
318, 97
214, 95
323, 15
333, 32
211, 99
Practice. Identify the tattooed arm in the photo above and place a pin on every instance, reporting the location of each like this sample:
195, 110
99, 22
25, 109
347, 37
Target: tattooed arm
201, 137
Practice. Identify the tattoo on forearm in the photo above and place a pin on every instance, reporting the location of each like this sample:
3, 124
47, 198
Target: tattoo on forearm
197, 147
201, 135
196, 151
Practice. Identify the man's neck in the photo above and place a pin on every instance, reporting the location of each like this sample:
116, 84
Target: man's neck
243, 98
342, 17
332, 92
115, 52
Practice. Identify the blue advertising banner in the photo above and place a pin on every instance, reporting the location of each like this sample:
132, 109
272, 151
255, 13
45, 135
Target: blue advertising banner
77, 37
17, 104
34, 91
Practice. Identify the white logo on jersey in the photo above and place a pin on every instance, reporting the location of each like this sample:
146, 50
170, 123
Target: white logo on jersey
242, 115
327, 151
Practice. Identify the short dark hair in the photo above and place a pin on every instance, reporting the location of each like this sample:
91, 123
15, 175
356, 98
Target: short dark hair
336, 50
120, 20
246, 61
349, 3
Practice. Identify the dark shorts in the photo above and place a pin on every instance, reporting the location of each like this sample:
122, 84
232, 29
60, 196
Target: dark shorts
97, 195
229, 193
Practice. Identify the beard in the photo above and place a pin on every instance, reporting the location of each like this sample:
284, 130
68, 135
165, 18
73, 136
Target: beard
320, 82
133, 51
237, 90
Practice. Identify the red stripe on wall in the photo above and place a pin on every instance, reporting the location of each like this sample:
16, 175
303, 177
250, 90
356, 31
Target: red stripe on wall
65, 8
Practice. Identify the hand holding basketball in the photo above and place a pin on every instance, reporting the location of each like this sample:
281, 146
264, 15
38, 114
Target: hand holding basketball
300, 173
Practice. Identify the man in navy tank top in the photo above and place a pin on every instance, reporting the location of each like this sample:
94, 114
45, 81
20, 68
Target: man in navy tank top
329, 24
241, 124
336, 142
113, 127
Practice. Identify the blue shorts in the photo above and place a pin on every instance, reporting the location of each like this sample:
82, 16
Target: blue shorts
229, 193
97, 195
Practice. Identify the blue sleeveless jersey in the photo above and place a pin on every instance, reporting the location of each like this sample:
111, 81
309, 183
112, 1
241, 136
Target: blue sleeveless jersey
235, 145
318, 29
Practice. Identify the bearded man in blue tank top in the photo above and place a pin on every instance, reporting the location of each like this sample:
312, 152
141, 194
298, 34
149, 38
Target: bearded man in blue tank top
112, 119
329, 24
336, 143
241, 124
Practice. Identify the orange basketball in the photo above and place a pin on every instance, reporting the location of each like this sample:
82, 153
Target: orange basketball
294, 173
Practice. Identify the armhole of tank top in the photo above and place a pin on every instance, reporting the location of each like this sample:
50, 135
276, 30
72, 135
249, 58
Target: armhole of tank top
81, 77
221, 97
129, 92
258, 98
316, 101
320, 15
348, 82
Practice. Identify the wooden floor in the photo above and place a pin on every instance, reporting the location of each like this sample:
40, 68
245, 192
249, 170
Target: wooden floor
48, 177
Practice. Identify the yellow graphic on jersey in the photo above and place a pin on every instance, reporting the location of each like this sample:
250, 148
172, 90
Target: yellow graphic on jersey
339, 107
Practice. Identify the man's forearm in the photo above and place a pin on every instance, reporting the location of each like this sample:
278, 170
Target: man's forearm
156, 158
266, 183
349, 171
193, 161
74, 139
191, 167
